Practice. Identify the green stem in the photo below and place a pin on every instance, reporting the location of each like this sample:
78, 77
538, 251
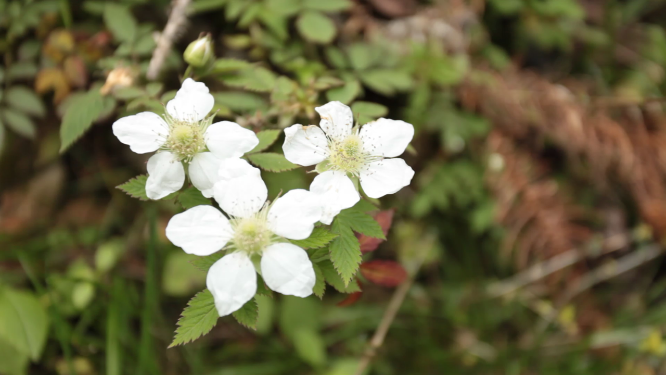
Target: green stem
146, 352
188, 72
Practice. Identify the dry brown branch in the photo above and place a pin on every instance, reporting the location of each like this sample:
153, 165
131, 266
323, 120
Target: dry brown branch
177, 20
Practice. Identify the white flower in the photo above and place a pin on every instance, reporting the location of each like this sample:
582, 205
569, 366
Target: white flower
184, 137
255, 238
345, 152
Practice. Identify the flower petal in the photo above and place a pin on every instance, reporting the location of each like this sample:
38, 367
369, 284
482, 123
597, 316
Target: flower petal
337, 120
294, 214
204, 172
287, 269
165, 175
335, 192
240, 191
385, 177
305, 145
201, 230
227, 139
143, 132
232, 281
387, 138
192, 102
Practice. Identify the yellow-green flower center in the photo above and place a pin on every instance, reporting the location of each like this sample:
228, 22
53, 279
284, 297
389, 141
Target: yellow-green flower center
186, 140
251, 234
347, 155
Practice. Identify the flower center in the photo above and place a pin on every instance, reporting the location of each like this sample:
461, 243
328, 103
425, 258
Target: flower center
348, 155
185, 140
252, 235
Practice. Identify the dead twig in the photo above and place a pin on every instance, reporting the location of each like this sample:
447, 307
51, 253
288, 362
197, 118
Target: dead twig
177, 20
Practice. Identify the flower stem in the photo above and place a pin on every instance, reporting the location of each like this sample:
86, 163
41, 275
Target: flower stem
147, 364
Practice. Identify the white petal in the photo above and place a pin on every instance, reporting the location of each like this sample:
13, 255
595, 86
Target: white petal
229, 140
305, 145
143, 132
204, 172
337, 120
165, 175
287, 269
192, 102
201, 230
240, 191
335, 192
232, 281
385, 177
294, 214
388, 138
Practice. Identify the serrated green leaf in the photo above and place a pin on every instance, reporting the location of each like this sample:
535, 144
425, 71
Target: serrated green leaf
136, 187
320, 284
204, 263
345, 251
120, 22
360, 222
318, 255
78, 118
23, 322
367, 111
271, 162
386, 81
266, 139
248, 314
320, 237
129, 93
335, 57
154, 88
335, 280
25, 100
198, 318
327, 5
364, 206
360, 56
346, 93
316, 27
19, 123
192, 197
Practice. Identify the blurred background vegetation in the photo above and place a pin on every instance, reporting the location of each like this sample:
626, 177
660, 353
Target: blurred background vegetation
537, 211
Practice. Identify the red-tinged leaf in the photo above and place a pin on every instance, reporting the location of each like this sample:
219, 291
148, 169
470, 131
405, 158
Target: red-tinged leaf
384, 272
385, 219
352, 297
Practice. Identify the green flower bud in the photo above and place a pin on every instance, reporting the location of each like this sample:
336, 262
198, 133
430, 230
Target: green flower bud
200, 52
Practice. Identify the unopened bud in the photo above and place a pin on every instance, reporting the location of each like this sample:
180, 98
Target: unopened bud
200, 52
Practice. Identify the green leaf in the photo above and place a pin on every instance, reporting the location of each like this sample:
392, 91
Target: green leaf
136, 187
360, 222
23, 322
120, 22
248, 314
345, 93
240, 101
310, 346
2, 137
204, 263
335, 57
19, 123
192, 197
25, 100
271, 161
316, 27
345, 250
154, 88
229, 65
129, 93
386, 81
320, 283
12, 362
24, 70
78, 118
320, 237
327, 5
318, 255
198, 318
333, 278
254, 79
367, 111
266, 139
360, 56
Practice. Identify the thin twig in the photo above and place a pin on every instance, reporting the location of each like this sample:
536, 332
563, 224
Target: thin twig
554, 264
176, 22
389, 315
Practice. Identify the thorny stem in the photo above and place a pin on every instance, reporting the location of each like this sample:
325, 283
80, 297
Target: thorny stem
389, 315
176, 21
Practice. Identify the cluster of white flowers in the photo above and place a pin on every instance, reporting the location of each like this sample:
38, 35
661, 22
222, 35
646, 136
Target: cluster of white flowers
256, 234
